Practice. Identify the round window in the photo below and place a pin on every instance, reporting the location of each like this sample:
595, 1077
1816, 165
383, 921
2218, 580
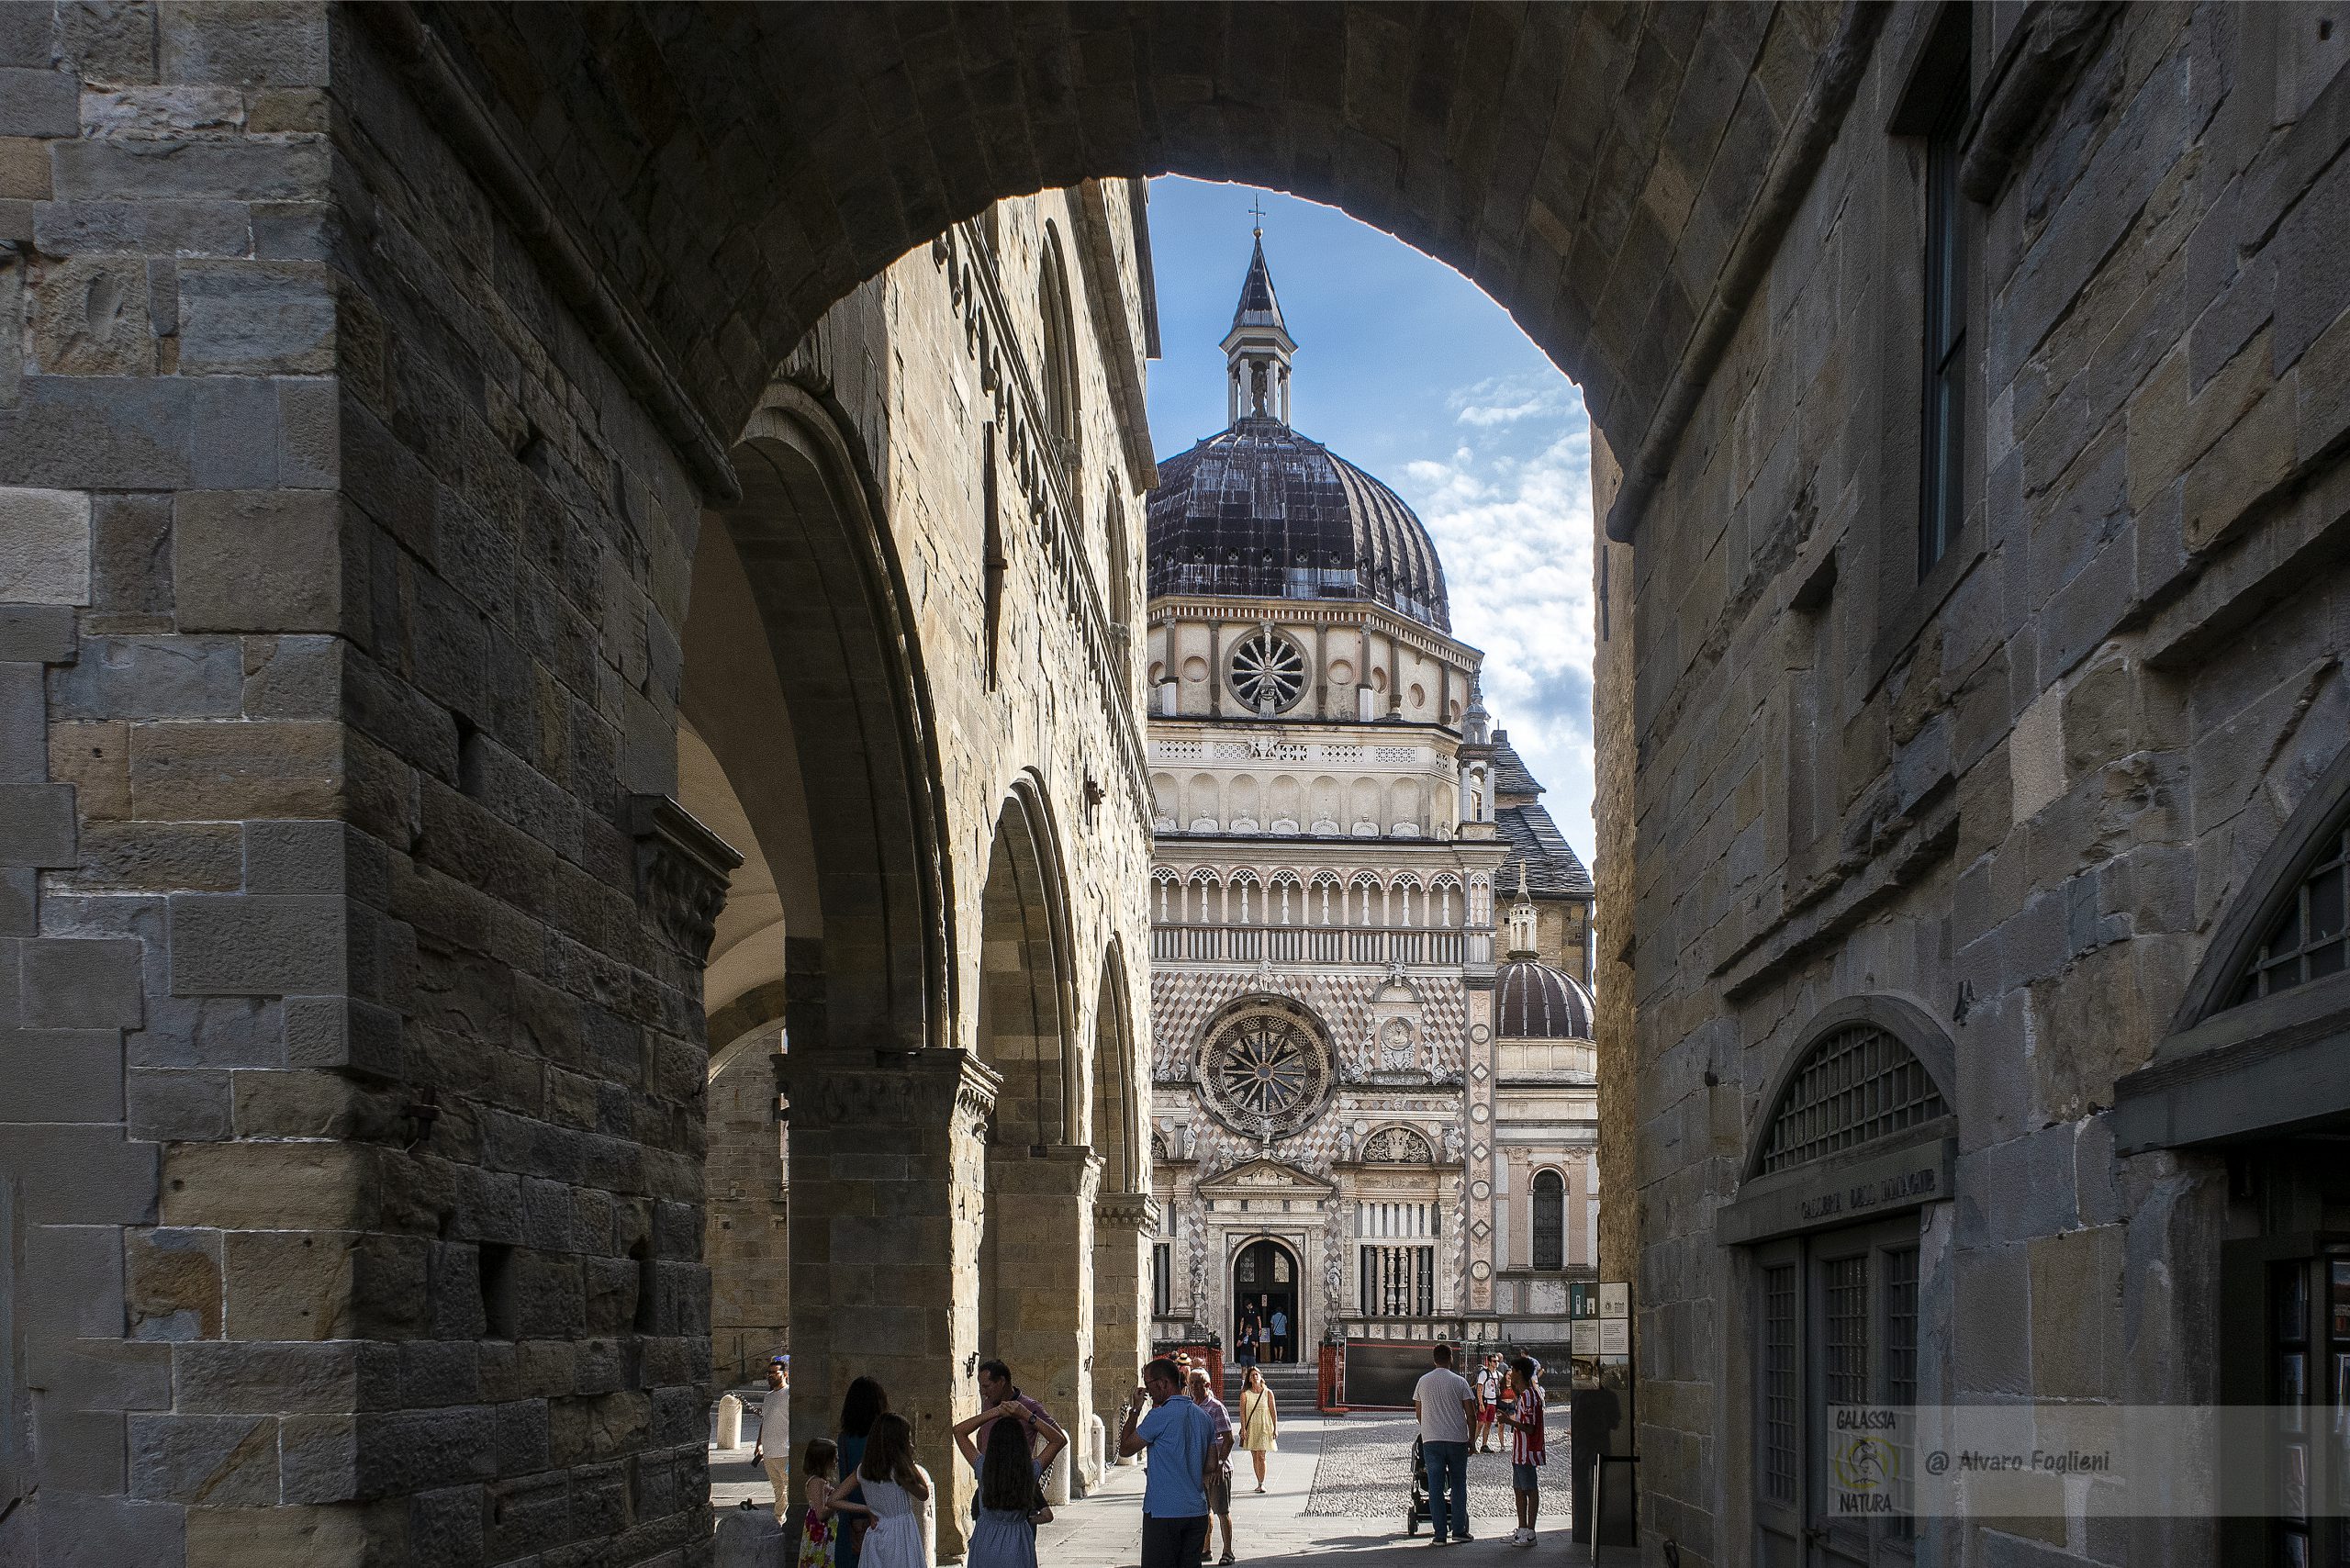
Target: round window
1265, 1069
1268, 672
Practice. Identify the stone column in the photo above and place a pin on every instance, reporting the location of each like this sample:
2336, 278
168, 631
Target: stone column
888, 1184
1041, 1243
1124, 1226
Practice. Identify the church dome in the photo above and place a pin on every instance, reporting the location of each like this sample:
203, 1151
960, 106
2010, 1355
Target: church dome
1259, 511
1535, 1002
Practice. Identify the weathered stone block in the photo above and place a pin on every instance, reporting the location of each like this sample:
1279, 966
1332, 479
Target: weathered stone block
90, 317
80, 984
282, 1536
178, 1104
286, 1284
160, 856
274, 944
223, 1460
79, 1451
334, 1031
81, 1173
151, 677
37, 103
63, 1075
244, 43
172, 1284
133, 170
319, 1458
37, 825
101, 1373
75, 1273
36, 634
243, 318
258, 560
208, 772
44, 546
267, 1379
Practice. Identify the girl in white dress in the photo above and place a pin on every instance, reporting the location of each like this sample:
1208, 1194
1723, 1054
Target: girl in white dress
888, 1483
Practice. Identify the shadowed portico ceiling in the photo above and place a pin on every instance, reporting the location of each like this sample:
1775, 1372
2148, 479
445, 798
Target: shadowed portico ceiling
728, 171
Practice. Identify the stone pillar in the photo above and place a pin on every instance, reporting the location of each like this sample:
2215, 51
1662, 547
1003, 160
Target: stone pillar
1124, 1226
888, 1183
1040, 1244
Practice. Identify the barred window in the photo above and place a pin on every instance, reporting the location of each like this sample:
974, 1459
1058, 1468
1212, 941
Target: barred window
2311, 936
1549, 1220
1855, 1086
1779, 1383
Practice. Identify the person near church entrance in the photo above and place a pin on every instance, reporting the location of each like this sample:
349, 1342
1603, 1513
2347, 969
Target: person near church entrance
1281, 1335
886, 1482
1259, 1421
1447, 1407
1522, 1412
1181, 1439
1490, 1379
1047, 1439
1219, 1474
862, 1405
771, 1449
1247, 1335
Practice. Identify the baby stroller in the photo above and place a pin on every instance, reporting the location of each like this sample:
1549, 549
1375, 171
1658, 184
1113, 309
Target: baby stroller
1416, 1513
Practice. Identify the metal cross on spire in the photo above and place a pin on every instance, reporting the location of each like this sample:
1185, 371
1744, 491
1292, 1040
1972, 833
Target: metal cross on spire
1257, 206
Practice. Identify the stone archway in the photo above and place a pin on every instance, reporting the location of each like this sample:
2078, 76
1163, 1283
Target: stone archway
1125, 1216
1035, 1286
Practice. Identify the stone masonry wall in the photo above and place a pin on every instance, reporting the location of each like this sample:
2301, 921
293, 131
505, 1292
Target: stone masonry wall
354, 1173
2044, 775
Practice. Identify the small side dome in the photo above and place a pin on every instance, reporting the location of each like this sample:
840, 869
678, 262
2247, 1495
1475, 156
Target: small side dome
1535, 1002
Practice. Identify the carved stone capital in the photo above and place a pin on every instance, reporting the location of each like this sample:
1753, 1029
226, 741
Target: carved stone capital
681, 873
889, 1089
1137, 1211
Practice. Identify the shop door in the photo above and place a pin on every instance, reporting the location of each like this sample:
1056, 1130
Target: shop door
2300, 1288
1837, 1325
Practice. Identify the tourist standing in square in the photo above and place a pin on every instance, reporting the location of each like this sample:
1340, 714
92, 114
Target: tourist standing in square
1523, 1412
771, 1449
1218, 1480
1180, 1439
1447, 1407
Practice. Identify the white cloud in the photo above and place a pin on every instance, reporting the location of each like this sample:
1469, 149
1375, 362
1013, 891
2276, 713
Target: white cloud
1510, 508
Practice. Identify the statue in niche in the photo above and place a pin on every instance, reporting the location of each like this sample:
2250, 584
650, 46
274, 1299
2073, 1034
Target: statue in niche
1452, 1144
1346, 1145
1190, 1140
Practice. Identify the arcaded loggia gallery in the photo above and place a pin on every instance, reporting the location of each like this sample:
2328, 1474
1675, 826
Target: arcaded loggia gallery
712, 786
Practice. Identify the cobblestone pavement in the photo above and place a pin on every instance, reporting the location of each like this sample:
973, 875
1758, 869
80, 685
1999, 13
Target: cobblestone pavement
1365, 1471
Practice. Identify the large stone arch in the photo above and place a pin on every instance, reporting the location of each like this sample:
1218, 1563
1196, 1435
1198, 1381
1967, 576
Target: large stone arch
1036, 1289
1613, 175
1125, 1219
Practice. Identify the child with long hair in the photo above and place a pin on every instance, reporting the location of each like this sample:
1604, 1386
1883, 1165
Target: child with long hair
1011, 1501
889, 1485
820, 1525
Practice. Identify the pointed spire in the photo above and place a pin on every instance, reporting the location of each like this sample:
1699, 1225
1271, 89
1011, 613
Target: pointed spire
1257, 349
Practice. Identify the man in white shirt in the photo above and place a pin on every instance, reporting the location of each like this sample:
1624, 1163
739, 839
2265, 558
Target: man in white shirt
772, 1448
1447, 1407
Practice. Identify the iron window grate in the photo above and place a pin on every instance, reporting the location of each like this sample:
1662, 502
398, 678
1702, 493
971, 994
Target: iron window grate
1854, 1087
2310, 938
1779, 1383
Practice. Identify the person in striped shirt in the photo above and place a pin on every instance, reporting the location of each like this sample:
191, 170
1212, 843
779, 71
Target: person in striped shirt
1522, 1413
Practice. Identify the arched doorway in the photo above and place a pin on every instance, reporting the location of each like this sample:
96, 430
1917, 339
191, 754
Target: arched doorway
1265, 1276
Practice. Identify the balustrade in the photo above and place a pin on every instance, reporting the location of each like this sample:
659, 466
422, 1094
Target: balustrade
1317, 944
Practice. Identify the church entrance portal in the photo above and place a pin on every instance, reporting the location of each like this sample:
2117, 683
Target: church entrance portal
1265, 1276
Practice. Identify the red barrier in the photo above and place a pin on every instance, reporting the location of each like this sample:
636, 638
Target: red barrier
1328, 1395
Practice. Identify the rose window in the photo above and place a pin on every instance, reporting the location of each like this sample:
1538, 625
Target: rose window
1268, 671
1265, 1069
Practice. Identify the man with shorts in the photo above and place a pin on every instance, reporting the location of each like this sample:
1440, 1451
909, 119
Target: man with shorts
1489, 1396
1219, 1477
1180, 1439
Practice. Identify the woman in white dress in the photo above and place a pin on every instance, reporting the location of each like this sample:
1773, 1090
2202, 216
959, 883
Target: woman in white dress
885, 1480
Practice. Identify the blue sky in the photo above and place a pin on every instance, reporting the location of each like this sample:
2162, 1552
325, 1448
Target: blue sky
1406, 368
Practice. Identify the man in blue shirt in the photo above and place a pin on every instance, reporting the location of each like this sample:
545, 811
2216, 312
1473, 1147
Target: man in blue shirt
1181, 1440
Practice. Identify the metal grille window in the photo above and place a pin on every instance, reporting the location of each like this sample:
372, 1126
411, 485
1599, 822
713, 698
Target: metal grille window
1853, 1087
1847, 1330
1397, 1282
1779, 1383
1162, 1279
1549, 1220
2310, 938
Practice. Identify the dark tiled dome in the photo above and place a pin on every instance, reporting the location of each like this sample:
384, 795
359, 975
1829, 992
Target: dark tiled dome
1535, 1002
1260, 511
